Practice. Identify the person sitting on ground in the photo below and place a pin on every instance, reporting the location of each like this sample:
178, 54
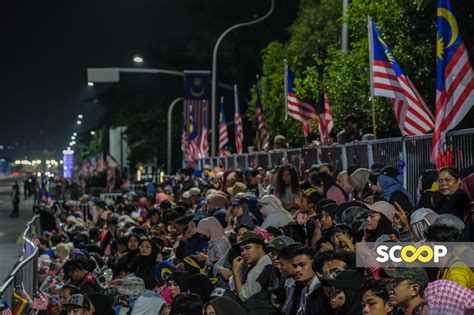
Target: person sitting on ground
287, 187
260, 266
187, 304
79, 304
406, 288
375, 298
344, 292
325, 185
78, 272
273, 212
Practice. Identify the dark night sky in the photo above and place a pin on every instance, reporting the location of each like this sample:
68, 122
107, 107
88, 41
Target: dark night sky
46, 48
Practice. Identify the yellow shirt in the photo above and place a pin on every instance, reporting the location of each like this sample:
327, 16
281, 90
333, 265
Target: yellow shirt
458, 272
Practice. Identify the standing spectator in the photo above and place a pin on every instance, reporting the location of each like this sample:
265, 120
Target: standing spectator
287, 186
15, 200
351, 130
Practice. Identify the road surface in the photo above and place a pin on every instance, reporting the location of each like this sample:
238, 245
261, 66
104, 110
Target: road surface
11, 229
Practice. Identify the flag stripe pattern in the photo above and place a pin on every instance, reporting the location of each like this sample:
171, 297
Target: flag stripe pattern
297, 108
262, 131
223, 133
454, 80
388, 80
239, 130
326, 122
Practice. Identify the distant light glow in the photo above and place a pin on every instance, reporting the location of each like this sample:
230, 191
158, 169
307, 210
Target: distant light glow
92, 132
90, 83
78, 122
138, 59
80, 116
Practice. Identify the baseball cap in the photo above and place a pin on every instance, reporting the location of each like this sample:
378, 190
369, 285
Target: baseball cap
314, 167
195, 191
414, 274
384, 208
313, 195
251, 237
237, 188
78, 301
281, 242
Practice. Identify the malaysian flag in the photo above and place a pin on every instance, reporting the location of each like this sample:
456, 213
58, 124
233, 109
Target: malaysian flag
223, 133
262, 131
297, 108
196, 114
326, 122
239, 130
454, 81
193, 140
388, 80
324, 111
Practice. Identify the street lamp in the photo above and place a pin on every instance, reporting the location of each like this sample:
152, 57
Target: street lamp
78, 122
80, 116
92, 132
74, 134
214, 70
73, 138
138, 59
90, 83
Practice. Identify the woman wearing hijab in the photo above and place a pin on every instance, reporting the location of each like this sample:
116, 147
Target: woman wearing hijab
212, 229
125, 262
326, 185
224, 306
389, 184
177, 283
273, 212
244, 209
344, 293
360, 181
144, 266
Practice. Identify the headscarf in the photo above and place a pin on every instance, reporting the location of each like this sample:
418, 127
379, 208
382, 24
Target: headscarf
103, 304
217, 200
210, 227
447, 297
420, 220
148, 305
200, 285
360, 178
271, 204
226, 306
181, 279
390, 185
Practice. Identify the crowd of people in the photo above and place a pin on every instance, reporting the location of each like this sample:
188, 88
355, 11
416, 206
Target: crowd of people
258, 241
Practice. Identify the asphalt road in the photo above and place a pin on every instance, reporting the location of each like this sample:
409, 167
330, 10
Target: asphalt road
11, 229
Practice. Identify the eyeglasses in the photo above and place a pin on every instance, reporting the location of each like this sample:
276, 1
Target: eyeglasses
442, 181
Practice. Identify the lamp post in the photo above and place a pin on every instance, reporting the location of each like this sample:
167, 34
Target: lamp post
214, 70
170, 112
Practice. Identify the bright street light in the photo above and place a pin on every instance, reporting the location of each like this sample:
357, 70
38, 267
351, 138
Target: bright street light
138, 59
73, 138
78, 122
80, 116
90, 83
74, 134
92, 132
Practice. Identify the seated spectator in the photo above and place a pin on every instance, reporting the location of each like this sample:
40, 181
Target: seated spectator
375, 298
389, 184
287, 187
273, 212
150, 303
79, 304
144, 266
224, 306
78, 272
406, 288
218, 243
177, 283
446, 297
420, 220
326, 186
344, 292
244, 209
260, 266
307, 216
187, 304
343, 180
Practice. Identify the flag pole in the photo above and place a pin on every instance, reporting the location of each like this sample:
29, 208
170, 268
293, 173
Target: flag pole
286, 88
371, 56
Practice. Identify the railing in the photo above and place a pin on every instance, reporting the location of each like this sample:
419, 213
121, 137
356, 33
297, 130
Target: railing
25, 273
413, 151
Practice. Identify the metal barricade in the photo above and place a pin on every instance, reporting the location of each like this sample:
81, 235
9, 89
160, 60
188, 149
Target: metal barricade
356, 154
110, 198
463, 148
386, 151
230, 162
26, 272
277, 158
241, 161
333, 156
294, 158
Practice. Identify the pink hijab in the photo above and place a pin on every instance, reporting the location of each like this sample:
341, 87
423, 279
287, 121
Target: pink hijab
211, 227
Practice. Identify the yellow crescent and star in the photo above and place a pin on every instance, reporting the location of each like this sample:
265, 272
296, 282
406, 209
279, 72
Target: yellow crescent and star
449, 17
197, 83
389, 55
